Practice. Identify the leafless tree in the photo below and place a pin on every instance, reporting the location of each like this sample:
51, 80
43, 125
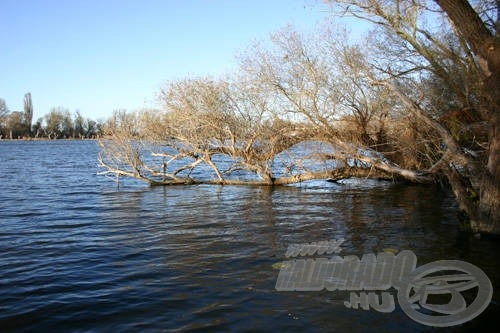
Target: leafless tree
230, 130
329, 84
28, 112
469, 66
4, 112
368, 111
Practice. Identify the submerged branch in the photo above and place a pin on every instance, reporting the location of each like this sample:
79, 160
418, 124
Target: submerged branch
360, 166
330, 175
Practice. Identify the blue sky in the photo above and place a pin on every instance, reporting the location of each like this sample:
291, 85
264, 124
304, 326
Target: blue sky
97, 56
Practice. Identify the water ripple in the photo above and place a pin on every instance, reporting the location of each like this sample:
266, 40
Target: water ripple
80, 254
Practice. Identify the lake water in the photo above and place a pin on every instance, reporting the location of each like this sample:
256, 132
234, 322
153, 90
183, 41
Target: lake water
77, 253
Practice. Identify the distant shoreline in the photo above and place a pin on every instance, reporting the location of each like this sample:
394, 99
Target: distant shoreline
47, 139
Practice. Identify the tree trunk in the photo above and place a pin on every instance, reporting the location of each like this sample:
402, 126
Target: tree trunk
489, 204
486, 46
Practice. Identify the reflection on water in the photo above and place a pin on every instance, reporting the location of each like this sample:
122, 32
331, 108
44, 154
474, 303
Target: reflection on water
80, 254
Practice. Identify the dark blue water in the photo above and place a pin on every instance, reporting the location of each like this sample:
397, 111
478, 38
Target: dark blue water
79, 254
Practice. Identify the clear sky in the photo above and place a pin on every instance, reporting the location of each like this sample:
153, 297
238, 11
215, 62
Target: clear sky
100, 55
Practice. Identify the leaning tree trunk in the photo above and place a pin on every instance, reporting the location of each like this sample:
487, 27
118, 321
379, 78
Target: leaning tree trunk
489, 203
486, 46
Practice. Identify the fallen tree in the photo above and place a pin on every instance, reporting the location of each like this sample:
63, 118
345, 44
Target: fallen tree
218, 165
319, 107
217, 132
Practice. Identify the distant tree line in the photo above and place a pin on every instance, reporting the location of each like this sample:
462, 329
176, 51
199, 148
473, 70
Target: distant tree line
59, 123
